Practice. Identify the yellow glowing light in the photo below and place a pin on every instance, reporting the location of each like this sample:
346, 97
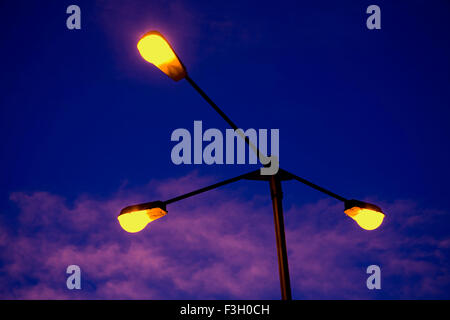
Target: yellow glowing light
156, 50
135, 221
365, 218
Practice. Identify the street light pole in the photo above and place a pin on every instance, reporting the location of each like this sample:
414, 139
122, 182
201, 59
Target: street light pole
277, 196
133, 220
155, 49
277, 199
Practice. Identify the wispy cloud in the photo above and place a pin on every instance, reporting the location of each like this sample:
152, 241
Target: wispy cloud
215, 246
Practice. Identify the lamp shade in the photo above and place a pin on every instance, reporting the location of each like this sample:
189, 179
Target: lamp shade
154, 48
368, 216
135, 218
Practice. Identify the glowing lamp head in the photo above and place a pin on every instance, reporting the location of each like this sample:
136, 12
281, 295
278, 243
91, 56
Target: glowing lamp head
367, 216
135, 218
155, 49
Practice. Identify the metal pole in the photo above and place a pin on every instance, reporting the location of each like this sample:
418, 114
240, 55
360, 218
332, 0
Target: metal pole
276, 193
283, 268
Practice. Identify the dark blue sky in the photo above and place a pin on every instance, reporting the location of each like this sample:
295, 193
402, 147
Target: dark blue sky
362, 112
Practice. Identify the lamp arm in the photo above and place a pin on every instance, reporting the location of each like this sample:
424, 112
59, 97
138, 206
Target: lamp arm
255, 175
262, 157
289, 175
211, 187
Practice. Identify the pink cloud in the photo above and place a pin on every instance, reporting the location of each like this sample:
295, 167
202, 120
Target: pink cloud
216, 245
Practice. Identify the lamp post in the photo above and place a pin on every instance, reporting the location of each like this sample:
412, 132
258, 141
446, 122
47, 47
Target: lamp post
276, 194
155, 49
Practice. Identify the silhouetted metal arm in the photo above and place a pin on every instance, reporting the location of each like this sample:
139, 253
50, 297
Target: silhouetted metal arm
255, 175
211, 187
262, 157
312, 185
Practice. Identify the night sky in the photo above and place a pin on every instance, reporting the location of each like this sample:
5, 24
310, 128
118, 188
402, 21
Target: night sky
85, 126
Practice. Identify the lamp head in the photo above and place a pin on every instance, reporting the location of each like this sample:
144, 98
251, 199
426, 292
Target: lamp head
368, 216
135, 218
155, 49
